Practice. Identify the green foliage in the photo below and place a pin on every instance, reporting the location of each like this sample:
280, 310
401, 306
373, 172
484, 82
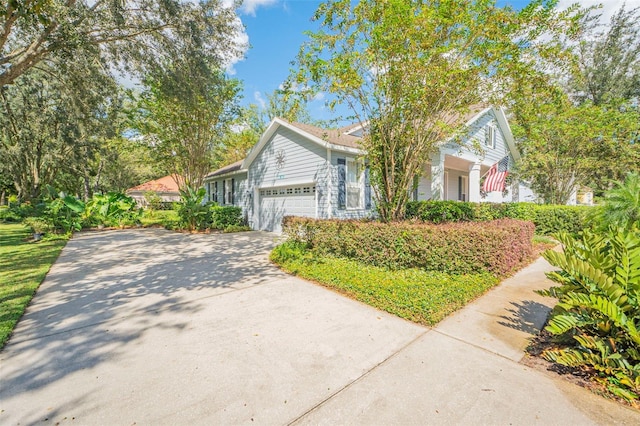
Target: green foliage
8, 215
599, 306
187, 105
425, 297
548, 219
440, 211
154, 201
375, 56
457, 248
193, 212
564, 145
23, 266
236, 228
63, 212
622, 204
113, 208
38, 225
225, 216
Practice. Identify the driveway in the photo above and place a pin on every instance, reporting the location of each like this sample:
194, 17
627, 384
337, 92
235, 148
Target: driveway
155, 327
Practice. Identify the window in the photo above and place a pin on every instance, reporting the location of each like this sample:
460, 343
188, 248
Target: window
297, 190
289, 191
306, 190
490, 136
353, 184
215, 192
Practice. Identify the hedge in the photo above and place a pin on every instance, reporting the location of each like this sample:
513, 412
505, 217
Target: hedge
548, 219
496, 247
223, 217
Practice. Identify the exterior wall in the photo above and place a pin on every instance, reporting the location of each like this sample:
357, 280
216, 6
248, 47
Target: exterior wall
304, 162
345, 213
424, 184
452, 183
240, 195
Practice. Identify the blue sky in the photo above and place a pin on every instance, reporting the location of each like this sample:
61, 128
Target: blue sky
275, 30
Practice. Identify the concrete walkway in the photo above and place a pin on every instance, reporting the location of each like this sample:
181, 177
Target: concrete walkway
155, 327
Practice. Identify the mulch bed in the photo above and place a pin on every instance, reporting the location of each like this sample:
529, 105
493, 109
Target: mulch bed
583, 377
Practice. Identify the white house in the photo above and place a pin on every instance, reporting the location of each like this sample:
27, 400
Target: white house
302, 170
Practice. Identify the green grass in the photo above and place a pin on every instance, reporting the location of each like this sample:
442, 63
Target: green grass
159, 217
23, 266
414, 294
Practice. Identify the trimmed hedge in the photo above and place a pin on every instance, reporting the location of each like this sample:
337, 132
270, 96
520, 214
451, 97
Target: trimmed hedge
548, 219
223, 217
456, 248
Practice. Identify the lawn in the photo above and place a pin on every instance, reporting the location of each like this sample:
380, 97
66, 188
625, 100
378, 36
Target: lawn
159, 218
425, 297
23, 266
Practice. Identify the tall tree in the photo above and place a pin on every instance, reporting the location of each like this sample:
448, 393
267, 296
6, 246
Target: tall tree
566, 145
132, 34
609, 61
51, 122
187, 106
412, 68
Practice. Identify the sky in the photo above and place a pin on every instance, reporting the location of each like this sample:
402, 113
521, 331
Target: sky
275, 30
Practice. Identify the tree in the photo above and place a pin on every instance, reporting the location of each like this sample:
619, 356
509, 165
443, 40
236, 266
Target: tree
184, 112
609, 62
134, 34
566, 145
51, 126
411, 69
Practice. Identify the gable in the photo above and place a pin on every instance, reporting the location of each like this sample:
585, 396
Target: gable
473, 144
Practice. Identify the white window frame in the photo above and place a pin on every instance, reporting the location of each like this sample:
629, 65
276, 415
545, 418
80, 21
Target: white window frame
490, 136
358, 185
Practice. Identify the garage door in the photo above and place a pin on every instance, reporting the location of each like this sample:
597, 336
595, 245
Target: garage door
275, 203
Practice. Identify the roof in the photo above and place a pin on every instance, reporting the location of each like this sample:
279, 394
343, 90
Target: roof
164, 184
234, 167
333, 136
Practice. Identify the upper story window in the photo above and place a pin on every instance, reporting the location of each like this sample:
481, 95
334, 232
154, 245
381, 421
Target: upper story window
490, 136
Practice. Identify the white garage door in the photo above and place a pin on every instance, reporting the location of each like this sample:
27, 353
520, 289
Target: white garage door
275, 203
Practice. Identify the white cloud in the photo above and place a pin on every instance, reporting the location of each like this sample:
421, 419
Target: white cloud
262, 103
609, 7
249, 6
318, 96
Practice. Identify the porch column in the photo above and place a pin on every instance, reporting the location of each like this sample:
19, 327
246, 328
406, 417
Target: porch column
474, 182
437, 177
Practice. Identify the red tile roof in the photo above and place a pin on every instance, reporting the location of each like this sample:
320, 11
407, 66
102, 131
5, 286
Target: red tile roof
164, 184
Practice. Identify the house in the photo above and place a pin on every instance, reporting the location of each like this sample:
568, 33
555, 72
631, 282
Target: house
302, 170
166, 187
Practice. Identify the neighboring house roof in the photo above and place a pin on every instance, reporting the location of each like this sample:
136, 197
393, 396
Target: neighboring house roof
164, 184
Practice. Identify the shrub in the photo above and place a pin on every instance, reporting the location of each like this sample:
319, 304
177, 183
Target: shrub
38, 225
622, 205
223, 217
9, 216
113, 208
154, 201
458, 248
236, 228
548, 219
440, 211
193, 212
63, 213
599, 303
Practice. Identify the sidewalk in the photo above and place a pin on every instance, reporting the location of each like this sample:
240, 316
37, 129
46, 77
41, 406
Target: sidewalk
467, 371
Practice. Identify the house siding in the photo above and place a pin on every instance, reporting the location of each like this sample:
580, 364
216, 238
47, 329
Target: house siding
337, 212
304, 162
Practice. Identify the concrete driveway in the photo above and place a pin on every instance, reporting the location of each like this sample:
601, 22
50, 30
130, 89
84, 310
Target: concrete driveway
155, 327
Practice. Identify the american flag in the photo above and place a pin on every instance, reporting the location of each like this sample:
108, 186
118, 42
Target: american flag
496, 176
